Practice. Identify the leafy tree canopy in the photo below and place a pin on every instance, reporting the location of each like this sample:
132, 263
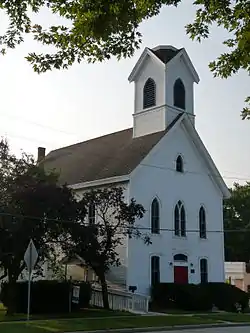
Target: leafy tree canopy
237, 224
32, 206
109, 221
97, 30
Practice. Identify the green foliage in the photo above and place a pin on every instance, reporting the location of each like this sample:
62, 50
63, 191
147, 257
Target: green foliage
97, 243
32, 206
225, 296
198, 297
237, 224
97, 30
48, 297
180, 296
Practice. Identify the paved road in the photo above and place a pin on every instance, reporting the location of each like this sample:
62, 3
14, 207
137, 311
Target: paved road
215, 330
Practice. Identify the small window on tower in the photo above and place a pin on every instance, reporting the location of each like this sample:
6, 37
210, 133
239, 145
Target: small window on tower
179, 94
179, 164
149, 94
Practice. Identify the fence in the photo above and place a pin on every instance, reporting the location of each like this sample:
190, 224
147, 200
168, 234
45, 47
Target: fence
121, 300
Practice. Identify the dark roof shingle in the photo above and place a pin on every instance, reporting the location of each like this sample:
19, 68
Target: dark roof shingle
111, 155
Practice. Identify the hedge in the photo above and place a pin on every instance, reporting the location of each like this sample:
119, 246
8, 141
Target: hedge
46, 296
180, 296
199, 297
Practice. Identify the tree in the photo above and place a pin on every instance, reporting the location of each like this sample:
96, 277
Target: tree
237, 224
32, 206
111, 219
97, 30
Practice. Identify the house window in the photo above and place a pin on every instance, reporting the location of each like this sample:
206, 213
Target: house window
155, 217
180, 257
203, 271
91, 213
155, 270
149, 94
179, 94
202, 223
179, 164
179, 220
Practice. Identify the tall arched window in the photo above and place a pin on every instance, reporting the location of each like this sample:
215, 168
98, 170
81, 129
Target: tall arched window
155, 270
155, 217
179, 220
179, 94
202, 223
149, 94
204, 270
91, 213
179, 164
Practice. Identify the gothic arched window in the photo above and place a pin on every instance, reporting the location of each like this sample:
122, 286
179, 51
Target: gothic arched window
155, 217
149, 94
179, 220
179, 94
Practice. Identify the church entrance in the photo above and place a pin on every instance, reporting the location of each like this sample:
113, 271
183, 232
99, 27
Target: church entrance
180, 269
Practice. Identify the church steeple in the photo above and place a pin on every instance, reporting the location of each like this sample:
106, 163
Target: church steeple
164, 78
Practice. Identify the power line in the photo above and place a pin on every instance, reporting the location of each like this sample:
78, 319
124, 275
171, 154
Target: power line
38, 124
192, 172
136, 227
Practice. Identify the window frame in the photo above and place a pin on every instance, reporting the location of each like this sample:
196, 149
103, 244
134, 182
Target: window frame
202, 223
203, 272
179, 164
180, 220
149, 94
91, 213
155, 269
179, 94
155, 216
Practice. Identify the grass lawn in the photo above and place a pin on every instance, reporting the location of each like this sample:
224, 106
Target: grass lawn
85, 313
65, 325
230, 317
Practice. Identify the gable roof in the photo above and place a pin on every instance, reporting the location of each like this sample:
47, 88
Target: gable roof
214, 173
111, 155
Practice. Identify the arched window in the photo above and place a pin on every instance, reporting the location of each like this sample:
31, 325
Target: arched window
155, 217
180, 257
179, 164
149, 94
179, 220
179, 94
202, 223
91, 213
155, 270
203, 271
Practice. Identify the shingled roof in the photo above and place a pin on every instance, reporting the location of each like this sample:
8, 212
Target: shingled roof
111, 155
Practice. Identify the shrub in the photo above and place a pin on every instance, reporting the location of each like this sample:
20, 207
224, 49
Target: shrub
181, 296
226, 296
199, 297
46, 296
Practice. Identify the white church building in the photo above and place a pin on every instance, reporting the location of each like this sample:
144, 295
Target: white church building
162, 163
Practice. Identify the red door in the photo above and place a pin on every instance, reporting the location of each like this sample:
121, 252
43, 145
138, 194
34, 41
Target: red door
180, 274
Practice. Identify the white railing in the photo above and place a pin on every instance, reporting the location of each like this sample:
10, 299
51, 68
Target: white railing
121, 300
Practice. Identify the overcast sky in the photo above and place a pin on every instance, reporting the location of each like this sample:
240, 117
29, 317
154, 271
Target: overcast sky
64, 107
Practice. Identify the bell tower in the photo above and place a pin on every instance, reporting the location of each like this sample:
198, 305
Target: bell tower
164, 77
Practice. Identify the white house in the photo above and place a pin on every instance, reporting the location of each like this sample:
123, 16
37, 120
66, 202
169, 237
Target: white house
163, 164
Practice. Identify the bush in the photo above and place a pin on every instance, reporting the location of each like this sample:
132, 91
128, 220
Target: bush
46, 296
180, 296
200, 297
226, 296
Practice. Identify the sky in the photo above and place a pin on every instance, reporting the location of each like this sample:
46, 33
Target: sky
60, 108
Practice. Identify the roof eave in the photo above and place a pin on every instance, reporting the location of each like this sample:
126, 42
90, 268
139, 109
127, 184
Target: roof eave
100, 182
215, 174
188, 63
145, 53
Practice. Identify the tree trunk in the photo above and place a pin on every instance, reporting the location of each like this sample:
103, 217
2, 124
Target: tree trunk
105, 297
